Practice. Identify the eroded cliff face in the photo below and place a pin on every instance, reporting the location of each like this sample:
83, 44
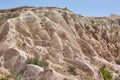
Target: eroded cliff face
61, 37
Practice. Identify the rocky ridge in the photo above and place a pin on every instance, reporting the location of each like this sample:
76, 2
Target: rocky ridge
60, 37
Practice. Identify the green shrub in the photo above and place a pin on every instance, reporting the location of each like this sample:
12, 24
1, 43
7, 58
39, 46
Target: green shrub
16, 75
43, 63
117, 60
4, 78
105, 73
12, 10
72, 69
35, 60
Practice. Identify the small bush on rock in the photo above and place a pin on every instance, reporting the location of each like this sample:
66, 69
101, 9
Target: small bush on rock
33, 60
36, 61
14, 75
72, 69
4, 78
17, 74
43, 63
105, 73
117, 60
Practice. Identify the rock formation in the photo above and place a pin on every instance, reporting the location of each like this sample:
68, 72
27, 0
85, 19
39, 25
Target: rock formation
60, 37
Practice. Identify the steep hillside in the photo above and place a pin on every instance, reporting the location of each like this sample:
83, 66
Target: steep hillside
49, 43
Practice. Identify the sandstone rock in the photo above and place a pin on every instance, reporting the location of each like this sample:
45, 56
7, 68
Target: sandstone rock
82, 66
32, 72
56, 42
14, 59
35, 72
4, 30
87, 48
60, 36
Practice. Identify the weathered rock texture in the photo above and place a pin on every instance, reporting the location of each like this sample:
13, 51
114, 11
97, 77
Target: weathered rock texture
61, 37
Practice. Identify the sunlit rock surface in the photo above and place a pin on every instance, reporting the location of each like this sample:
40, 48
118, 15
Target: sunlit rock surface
61, 37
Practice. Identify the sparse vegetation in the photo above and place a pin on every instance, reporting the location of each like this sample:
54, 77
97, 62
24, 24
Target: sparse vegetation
117, 60
4, 78
14, 75
72, 70
24, 44
12, 10
36, 61
17, 75
43, 63
107, 75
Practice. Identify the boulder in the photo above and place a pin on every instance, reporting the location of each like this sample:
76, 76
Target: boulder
14, 58
31, 72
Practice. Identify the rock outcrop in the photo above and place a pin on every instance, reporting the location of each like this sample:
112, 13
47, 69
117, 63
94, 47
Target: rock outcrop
61, 37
